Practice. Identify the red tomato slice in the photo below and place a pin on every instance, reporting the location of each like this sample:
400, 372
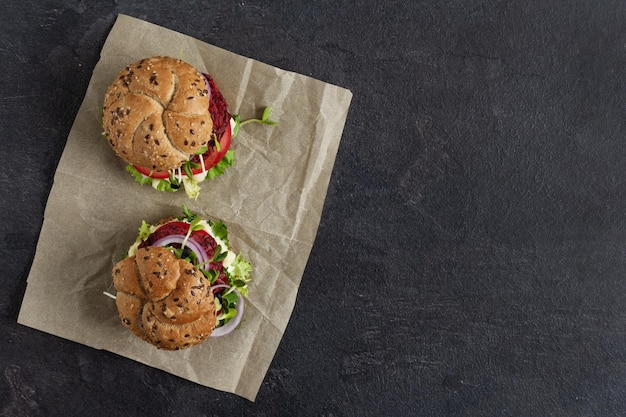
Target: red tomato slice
210, 158
152, 174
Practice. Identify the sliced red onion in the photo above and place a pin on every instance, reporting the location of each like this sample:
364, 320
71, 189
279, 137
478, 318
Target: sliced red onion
190, 243
208, 87
234, 322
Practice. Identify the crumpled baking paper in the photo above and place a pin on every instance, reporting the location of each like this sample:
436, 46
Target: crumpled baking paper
271, 201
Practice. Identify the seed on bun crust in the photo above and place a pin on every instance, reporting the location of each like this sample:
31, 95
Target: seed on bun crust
155, 113
163, 299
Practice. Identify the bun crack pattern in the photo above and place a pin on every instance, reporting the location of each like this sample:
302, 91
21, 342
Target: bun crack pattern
156, 113
163, 299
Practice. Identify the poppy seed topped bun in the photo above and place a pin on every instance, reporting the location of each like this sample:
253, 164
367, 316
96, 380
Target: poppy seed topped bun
156, 113
163, 299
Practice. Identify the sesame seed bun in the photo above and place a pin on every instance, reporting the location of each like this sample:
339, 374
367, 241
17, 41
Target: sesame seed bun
163, 299
156, 113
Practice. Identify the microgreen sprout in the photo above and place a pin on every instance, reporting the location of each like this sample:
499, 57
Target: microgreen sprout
173, 180
217, 143
210, 274
189, 215
264, 120
188, 166
193, 226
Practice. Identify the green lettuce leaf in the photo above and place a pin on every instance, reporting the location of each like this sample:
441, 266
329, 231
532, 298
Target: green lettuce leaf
144, 230
161, 185
225, 162
239, 274
192, 188
220, 230
138, 176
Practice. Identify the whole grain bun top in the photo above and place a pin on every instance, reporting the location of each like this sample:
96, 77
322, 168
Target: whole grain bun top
156, 113
163, 299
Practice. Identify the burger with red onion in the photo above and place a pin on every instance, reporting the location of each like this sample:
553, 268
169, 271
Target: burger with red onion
181, 282
170, 123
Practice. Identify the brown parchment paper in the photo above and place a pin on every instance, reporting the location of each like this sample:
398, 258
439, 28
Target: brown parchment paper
271, 200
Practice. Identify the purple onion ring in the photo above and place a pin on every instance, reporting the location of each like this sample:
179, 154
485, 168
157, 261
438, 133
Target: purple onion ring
234, 322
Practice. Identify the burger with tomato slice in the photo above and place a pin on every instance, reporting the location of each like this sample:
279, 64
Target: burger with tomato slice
181, 282
170, 123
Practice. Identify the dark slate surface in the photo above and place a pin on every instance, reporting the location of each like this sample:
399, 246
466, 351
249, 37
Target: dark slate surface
471, 259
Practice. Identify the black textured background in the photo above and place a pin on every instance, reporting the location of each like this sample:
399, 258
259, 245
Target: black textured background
471, 258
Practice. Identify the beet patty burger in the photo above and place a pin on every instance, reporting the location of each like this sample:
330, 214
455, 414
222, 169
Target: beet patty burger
170, 122
181, 282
